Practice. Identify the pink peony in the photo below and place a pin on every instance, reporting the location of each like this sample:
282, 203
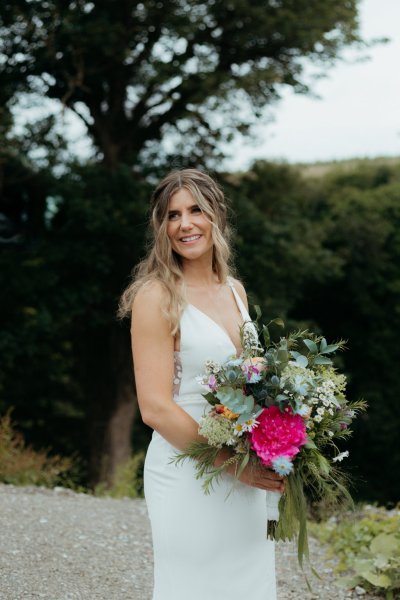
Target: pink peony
278, 434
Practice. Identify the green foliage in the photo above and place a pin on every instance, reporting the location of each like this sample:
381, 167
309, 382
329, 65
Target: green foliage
128, 482
367, 548
20, 464
324, 253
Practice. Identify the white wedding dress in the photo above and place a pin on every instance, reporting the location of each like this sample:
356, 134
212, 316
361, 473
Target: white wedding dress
205, 547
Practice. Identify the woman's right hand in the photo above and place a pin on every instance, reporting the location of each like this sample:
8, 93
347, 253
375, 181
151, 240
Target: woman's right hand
262, 478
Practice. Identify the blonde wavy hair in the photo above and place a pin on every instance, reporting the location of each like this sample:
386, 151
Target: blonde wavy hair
162, 263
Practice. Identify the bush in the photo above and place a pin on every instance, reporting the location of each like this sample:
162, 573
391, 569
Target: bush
22, 465
367, 548
128, 482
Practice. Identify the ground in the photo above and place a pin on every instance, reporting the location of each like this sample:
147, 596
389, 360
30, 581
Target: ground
59, 545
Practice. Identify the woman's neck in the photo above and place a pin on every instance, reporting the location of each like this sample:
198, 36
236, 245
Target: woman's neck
199, 273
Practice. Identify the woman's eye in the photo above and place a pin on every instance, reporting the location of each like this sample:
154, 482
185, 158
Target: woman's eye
196, 209
172, 216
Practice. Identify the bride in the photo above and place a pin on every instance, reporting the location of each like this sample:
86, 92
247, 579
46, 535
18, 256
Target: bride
186, 309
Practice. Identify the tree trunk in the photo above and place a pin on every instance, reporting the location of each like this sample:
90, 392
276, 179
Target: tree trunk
112, 410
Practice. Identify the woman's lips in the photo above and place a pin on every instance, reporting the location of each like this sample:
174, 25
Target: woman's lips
190, 239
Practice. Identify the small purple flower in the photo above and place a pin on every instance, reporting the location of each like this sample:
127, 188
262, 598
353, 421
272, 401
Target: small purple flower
212, 383
252, 373
343, 426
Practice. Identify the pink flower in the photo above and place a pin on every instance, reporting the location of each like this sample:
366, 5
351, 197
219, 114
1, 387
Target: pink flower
212, 383
252, 368
278, 434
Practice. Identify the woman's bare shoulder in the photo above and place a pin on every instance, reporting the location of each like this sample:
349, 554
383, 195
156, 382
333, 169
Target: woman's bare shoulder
148, 302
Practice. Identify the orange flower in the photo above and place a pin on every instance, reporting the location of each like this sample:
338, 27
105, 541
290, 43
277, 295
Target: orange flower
229, 414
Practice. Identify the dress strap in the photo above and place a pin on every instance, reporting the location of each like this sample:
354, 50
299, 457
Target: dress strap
239, 301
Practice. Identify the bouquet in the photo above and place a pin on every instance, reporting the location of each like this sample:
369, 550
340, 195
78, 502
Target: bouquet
282, 405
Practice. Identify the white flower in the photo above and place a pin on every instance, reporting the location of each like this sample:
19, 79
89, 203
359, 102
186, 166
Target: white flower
250, 424
321, 410
330, 433
340, 456
318, 418
212, 366
238, 429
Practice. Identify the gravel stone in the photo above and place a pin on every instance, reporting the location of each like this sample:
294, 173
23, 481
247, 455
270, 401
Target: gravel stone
60, 545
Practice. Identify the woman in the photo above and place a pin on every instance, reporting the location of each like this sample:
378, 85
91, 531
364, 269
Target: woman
186, 309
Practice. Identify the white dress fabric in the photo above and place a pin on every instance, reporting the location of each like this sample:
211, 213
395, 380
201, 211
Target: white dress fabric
205, 547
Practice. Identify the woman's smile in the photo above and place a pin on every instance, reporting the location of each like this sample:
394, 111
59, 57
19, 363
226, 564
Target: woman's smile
190, 239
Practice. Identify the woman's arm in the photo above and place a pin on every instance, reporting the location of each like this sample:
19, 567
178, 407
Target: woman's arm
153, 358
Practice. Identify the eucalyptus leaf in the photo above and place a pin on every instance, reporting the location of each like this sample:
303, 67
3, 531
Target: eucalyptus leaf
302, 360
322, 360
323, 344
331, 348
245, 416
312, 346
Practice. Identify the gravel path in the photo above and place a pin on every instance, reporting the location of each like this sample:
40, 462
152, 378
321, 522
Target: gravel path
59, 545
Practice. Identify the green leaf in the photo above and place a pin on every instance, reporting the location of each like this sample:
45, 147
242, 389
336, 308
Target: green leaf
323, 345
278, 322
312, 346
302, 360
257, 311
310, 444
322, 360
211, 398
348, 582
282, 355
331, 348
267, 337
378, 580
386, 544
243, 464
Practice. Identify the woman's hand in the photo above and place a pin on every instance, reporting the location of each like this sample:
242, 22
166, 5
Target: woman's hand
262, 478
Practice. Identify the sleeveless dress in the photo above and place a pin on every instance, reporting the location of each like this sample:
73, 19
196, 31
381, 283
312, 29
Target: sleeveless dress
205, 547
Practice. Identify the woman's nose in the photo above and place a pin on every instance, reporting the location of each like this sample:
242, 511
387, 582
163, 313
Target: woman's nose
186, 222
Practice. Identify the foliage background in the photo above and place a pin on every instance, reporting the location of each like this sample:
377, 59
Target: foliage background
319, 250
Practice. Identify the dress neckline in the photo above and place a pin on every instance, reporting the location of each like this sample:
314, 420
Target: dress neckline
241, 308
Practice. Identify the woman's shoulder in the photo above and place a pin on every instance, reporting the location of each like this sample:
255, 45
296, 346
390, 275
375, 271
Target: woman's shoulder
150, 297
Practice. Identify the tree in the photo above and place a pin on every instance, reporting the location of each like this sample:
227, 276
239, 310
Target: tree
359, 303
134, 71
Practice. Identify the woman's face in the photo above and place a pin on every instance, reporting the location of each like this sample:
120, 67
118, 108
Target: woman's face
188, 228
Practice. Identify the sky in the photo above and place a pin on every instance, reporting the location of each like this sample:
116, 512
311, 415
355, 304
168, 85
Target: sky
358, 113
